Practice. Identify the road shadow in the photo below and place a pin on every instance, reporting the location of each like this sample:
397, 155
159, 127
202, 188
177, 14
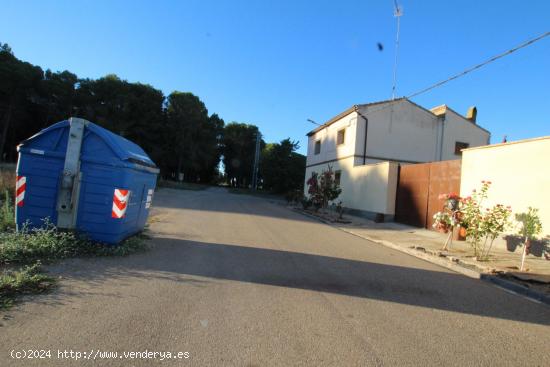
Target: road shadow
201, 263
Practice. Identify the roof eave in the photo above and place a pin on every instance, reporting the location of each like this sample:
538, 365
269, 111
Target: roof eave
353, 108
333, 120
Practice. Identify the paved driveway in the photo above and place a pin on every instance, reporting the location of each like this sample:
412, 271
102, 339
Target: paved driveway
236, 280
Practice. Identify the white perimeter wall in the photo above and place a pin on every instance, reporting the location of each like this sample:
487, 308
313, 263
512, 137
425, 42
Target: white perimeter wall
519, 172
370, 188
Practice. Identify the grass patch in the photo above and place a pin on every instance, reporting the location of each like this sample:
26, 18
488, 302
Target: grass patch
24, 252
27, 280
129, 246
181, 185
48, 244
21, 253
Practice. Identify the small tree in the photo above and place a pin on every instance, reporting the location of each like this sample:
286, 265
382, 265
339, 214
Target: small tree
530, 228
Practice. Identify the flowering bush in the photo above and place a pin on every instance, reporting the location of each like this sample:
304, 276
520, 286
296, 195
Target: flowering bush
472, 216
495, 221
452, 201
323, 189
446, 220
483, 225
330, 190
450, 216
442, 221
315, 196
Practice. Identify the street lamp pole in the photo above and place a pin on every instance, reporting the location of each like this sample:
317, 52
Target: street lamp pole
256, 162
313, 122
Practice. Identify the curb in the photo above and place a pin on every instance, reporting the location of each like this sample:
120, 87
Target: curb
518, 289
513, 287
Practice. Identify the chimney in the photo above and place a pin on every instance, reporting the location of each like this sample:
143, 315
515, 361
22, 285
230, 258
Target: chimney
472, 114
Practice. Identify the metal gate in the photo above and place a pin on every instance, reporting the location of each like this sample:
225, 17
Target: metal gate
419, 187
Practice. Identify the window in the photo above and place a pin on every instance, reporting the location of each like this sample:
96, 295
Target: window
337, 177
318, 147
459, 146
340, 136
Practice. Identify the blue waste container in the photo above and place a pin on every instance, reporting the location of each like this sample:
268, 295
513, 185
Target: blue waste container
81, 176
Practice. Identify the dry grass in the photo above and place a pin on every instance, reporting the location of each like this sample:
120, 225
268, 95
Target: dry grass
7, 194
7, 178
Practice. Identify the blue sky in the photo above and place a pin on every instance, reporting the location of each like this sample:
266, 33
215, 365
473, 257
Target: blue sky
277, 63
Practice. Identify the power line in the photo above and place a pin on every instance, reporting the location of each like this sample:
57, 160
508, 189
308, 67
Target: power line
469, 70
456, 76
494, 58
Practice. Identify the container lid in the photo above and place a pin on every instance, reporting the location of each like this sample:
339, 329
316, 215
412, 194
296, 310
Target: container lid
53, 140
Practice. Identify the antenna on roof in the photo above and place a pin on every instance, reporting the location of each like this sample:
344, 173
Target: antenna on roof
397, 12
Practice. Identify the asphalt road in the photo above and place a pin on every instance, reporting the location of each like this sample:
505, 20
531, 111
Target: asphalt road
236, 280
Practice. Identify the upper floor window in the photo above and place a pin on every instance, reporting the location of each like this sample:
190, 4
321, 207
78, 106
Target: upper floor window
340, 137
317, 147
459, 146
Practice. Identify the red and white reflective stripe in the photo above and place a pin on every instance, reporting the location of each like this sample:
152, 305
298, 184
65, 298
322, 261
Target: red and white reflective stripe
149, 199
20, 187
120, 203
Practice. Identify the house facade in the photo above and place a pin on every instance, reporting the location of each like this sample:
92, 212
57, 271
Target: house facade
365, 144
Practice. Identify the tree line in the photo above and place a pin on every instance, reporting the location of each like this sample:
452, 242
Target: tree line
177, 130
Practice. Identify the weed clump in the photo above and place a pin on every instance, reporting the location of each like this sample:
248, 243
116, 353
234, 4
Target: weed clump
27, 280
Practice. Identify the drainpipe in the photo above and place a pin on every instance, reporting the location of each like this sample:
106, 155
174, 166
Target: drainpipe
442, 137
366, 130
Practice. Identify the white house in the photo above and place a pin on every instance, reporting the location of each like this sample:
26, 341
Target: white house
365, 144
